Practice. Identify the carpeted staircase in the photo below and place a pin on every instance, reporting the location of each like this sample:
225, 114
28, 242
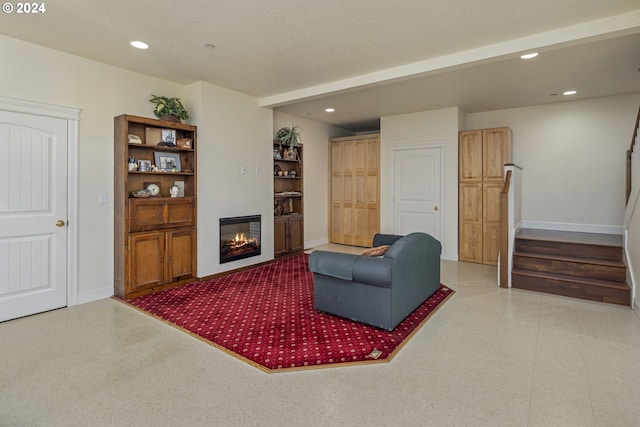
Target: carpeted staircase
579, 265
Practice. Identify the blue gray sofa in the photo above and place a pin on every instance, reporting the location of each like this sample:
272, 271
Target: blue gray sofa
378, 291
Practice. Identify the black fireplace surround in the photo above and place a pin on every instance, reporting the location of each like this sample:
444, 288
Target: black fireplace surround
239, 237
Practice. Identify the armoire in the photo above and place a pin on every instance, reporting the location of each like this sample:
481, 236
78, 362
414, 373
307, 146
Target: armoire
482, 156
354, 216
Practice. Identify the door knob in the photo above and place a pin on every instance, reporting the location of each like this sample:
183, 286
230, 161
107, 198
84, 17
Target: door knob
59, 223
436, 208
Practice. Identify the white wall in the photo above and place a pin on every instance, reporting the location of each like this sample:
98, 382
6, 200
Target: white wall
315, 140
35, 73
573, 159
234, 132
428, 126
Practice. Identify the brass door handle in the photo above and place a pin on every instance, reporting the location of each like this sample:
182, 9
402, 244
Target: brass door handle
436, 208
60, 223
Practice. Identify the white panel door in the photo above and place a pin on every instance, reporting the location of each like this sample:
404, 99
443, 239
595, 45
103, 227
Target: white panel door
33, 248
416, 191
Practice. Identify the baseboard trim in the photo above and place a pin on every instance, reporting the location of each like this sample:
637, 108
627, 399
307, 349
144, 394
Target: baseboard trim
94, 295
565, 226
317, 242
449, 256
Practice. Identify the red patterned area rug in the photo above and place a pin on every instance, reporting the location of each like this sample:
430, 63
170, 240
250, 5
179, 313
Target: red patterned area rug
265, 317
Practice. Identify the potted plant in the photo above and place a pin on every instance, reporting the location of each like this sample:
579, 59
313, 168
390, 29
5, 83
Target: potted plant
170, 109
288, 136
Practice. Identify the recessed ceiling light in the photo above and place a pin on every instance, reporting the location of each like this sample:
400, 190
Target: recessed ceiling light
329, 110
139, 45
569, 92
529, 55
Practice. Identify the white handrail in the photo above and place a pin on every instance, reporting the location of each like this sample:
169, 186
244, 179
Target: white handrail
631, 223
514, 217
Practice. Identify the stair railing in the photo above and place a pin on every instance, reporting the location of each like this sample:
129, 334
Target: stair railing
510, 221
632, 158
631, 222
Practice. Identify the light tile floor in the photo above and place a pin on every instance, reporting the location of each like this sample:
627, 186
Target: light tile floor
488, 357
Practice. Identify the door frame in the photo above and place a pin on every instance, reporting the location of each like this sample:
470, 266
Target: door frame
72, 116
417, 145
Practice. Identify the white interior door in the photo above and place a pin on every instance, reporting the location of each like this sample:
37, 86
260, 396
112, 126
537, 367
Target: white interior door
33, 214
416, 188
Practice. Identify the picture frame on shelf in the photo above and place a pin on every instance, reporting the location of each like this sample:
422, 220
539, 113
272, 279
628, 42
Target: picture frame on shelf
144, 166
167, 162
180, 185
168, 137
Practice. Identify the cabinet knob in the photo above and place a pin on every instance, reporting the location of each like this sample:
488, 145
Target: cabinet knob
436, 208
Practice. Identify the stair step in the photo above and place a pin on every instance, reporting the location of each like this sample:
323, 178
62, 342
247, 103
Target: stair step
572, 266
612, 292
579, 245
580, 265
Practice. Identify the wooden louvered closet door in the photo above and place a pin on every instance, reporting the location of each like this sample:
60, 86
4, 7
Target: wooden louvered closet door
355, 190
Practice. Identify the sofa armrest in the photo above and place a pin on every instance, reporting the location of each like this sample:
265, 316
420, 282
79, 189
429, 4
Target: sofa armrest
333, 264
385, 239
373, 271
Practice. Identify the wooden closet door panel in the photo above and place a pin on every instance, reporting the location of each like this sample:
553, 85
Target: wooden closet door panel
470, 229
496, 152
347, 226
372, 188
336, 157
354, 202
337, 187
491, 222
347, 193
470, 155
358, 164
335, 233
359, 209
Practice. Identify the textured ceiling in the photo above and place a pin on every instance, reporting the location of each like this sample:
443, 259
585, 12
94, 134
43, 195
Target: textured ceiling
270, 48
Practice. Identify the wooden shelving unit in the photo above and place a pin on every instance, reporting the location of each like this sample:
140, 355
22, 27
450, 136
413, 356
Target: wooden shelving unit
288, 202
154, 237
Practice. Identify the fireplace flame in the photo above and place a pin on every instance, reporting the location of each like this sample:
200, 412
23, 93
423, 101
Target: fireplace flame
241, 240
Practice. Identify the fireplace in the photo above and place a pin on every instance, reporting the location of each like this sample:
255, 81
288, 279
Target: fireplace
239, 237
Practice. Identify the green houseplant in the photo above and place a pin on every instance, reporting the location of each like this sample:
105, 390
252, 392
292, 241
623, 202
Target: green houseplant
169, 108
288, 136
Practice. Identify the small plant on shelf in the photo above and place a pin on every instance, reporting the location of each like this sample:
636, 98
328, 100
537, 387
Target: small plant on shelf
169, 108
288, 136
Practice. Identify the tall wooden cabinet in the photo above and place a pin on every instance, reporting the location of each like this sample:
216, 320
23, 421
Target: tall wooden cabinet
288, 202
482, 156
354, 216
154, 237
